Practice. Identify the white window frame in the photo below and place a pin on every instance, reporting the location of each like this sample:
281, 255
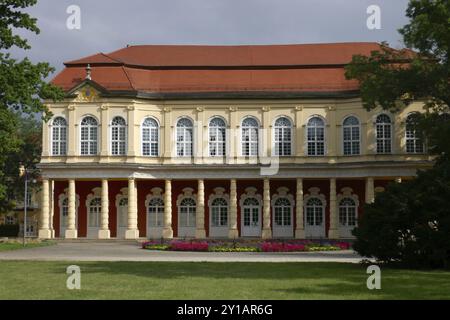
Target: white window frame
150, 141
413, 137
283, 230
219, 230
218, 144
251, 192
282, 141
188, 230
89, 140
120, 141
347, 193
184, 142
155, 231
383, 126
315, 140
251, 152
352, 140
60, 128
92, 231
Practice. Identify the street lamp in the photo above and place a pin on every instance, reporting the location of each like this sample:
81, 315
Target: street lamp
24, 172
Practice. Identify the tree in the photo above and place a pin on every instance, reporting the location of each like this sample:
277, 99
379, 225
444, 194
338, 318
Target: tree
22, 85
409, 223
392, 79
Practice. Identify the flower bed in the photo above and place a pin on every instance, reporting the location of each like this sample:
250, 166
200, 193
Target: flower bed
245, 246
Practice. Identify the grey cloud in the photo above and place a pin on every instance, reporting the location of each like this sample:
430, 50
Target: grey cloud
108, 25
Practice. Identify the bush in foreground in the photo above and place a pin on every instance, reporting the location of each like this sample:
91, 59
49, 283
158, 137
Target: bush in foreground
409, 223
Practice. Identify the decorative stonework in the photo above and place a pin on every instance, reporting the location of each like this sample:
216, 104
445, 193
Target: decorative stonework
347, 193
298, 108
265, 109
87, 94
315, 193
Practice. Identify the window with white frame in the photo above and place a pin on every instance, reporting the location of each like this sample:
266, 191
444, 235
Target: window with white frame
217, 133
184, 137
283, 137
250, 137
282, 212
414, 143
65, 207
89, 136
351, 136
219, 212
155, 212
150, 138
10, 220
122, 212
347, 212
250, 208
383, 128
186, 211
118, 136
95, 209
59, 137
315, 137
314, 212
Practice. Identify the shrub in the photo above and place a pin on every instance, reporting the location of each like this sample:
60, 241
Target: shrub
233, 249
409, 223
9, 230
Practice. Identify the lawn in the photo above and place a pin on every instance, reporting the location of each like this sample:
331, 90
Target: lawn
7, 246
179, 280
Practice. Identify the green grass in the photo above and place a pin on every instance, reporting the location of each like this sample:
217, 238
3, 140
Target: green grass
7, 246
177, 280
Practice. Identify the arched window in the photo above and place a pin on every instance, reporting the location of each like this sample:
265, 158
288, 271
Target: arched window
217, 130
414, 143
283, 137
123, 212
384, 134
59, 137
118, 136
187, 210
351, 136
156, 212
250, 137
316, 137
282, 212
150, 138
219, 212
89, 136
314, 212
65, 208
184, 137
347, 212
95, 209
251, 209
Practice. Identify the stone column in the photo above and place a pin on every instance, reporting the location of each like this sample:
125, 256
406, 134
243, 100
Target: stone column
267, 231
52, 207
233, 231
71, 229
132, 229
104, 232
300, 226
168, 231
370, 190
333, 232
200, 214
44, 230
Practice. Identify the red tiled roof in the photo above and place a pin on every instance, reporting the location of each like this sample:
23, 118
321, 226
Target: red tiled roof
187, 69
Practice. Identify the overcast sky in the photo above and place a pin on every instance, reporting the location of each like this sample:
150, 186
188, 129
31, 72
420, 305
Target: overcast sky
107, 25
